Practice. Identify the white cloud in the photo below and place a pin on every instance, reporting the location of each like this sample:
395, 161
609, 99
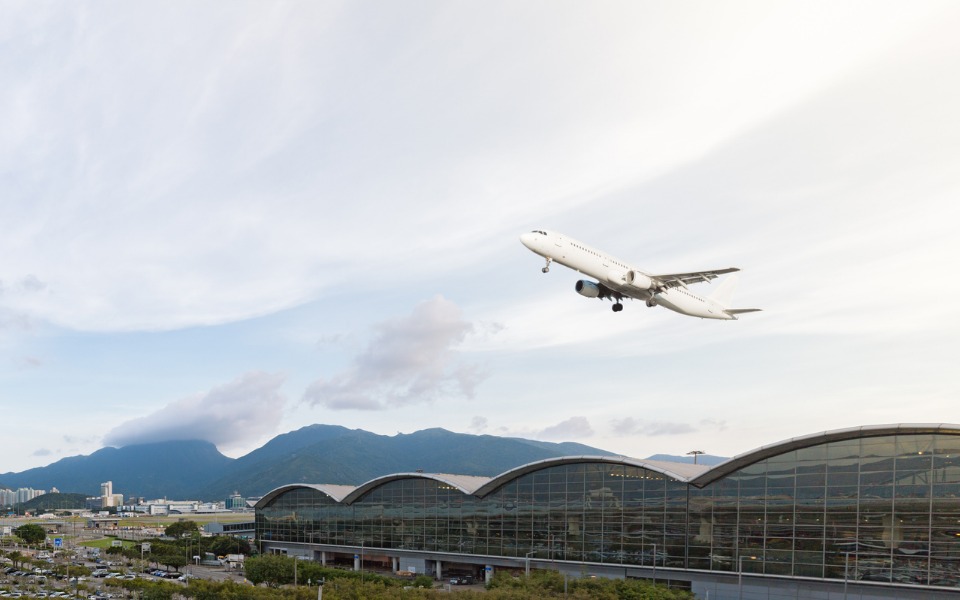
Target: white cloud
230, 415
227, 175
410, 360
629, 426
30, 362
572, 428
479, 424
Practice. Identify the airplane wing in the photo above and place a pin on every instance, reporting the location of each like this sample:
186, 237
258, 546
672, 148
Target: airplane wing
672, 280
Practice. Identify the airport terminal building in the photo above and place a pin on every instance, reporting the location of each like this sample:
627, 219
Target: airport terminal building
867, 513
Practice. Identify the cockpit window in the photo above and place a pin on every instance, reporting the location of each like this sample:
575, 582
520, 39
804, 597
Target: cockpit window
538, 231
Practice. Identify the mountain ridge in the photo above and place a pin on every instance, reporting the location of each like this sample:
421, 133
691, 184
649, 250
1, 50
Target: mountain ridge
197, 470
317, 453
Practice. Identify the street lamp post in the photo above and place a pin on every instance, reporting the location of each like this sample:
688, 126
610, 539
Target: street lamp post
526, 558
740, 575
695, 454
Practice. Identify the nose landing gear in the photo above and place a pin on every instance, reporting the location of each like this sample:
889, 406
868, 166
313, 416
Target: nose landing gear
546, 269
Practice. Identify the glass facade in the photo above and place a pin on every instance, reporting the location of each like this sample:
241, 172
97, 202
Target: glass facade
870, 508
877, 509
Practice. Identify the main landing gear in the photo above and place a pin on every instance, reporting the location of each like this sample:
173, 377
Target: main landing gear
617, 307
546, 269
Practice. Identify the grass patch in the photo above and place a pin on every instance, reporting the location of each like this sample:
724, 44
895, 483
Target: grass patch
106, 543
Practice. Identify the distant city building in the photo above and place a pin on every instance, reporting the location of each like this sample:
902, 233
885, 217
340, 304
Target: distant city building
158, 509
236, 502
10, 497
107, 498
28, 494
241, 530
174, 507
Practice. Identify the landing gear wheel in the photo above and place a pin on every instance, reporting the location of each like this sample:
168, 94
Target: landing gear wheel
617, 307
651, 303
546, 269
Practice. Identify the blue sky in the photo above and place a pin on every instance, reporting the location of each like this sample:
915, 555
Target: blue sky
230, 220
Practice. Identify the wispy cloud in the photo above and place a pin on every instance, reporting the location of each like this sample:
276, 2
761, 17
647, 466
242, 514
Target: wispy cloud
31, 283
410, 360
31, 362
229, 415
479, 424
572, 428
630, 426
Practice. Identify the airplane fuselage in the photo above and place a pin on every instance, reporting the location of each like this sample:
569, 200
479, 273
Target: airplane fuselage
616, 279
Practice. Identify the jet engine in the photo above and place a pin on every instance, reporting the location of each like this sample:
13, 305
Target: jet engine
638, 280
588, 289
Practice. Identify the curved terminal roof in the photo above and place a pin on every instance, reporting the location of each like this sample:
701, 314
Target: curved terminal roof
335, 492
697, 475
673, 470
467, 484
748, 458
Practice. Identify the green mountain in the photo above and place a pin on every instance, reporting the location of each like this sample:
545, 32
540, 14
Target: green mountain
165, 469
351, 457
313, 454
54, 502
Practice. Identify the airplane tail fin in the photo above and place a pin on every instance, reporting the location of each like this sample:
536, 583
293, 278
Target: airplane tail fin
724, 295
724, 292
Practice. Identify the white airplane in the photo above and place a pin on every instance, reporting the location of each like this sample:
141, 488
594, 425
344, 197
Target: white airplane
617, 280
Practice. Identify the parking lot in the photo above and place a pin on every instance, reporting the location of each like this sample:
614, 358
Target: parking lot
49, 576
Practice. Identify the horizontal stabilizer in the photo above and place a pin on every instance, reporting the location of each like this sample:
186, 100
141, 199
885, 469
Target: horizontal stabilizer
737, 311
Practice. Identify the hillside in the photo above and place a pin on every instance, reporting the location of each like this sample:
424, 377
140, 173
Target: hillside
171, 469
54, 502
356, 456
314, 454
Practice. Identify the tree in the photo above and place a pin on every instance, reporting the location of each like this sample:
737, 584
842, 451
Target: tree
173, 561
181, 528
271, 569
157, 593
222, 545
31, 533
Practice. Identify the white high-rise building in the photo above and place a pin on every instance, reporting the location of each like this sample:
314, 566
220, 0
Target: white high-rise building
10, 497
106, 495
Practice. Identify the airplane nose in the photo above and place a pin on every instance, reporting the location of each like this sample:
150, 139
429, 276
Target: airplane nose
527, 239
